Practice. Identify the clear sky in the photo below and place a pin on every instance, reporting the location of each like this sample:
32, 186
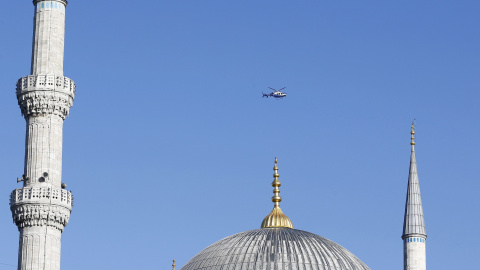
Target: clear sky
169, 146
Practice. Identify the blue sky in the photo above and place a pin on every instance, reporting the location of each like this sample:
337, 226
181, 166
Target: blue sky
169, 146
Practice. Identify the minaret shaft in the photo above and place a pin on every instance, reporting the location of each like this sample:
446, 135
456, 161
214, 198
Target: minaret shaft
41, 208
48, 39
39, 248
43, 150
414, 254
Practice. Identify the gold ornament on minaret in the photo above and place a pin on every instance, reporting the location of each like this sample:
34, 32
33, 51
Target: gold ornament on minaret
276, 218
413, 134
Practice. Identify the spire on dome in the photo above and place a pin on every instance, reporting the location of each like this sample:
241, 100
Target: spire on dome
173, 265
413, 223
276, 218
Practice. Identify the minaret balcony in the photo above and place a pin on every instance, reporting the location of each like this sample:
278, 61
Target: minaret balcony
48, 195
41, 206
46, 83
45, 94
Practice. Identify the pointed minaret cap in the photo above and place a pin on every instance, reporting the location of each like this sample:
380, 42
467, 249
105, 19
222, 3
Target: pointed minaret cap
276, 218
413, 222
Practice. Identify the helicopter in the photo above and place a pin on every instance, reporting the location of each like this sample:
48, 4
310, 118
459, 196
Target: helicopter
276, 93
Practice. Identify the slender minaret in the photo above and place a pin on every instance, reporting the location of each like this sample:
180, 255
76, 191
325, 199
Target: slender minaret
414, 235
42, 207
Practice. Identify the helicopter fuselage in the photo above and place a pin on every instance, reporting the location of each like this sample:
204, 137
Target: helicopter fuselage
276, 94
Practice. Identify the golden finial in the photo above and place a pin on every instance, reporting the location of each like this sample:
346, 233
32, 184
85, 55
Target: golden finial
173, 265
413, 134
276, 218
276, 199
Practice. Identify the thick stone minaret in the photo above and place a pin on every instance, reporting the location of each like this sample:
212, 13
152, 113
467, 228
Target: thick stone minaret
41, 208
414, 235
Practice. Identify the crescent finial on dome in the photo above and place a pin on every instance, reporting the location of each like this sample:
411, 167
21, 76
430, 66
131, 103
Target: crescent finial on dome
276, 218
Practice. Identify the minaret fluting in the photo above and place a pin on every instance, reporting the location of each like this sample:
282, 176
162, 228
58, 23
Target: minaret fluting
41, 208
414, 234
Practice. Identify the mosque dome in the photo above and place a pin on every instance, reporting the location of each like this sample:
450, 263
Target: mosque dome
275, 246
275, 249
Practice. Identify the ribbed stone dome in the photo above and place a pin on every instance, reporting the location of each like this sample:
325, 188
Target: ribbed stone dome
275, 249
